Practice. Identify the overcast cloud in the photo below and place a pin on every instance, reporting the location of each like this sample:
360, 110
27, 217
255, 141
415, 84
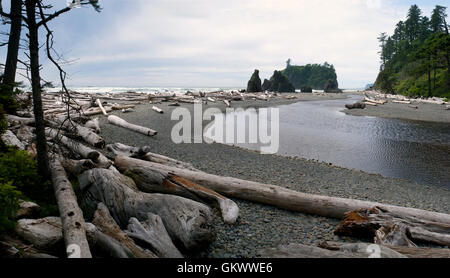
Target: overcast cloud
220, 43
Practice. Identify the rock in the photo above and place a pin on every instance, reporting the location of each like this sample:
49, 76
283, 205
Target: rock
332, 87
44, 234
266, 85
306, 89
280, 83
28, 210
358, 105
254, 84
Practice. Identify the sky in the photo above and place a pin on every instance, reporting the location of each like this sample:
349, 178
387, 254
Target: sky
216, 43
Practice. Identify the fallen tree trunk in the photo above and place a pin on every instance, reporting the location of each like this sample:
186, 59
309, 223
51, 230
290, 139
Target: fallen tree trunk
10, 139
161, 159
14, 120
74, 227
100, 105
153, 233
122, 149
94, 125
346, 251
390, 228
77, 167
80, 149
122, 123
410, 252
186, 221
160, 181
281, 197
106, 224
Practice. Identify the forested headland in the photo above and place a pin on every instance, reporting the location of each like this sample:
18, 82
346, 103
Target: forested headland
415, 59
315, 76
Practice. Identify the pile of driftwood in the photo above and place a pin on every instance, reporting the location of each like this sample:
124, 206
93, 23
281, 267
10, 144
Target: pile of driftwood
381, 98
148, 205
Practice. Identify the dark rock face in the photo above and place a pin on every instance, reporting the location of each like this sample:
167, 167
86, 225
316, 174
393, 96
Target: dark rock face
254, 84
331, 87
280, 83
266, 85
306, 89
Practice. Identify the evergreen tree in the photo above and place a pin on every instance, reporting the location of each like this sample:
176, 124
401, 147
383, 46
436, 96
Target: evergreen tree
437, 22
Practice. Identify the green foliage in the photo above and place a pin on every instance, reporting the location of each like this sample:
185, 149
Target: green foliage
19, 169
311, 75
9, 204
415, 59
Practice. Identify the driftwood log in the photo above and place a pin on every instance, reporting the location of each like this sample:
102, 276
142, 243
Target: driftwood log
74, 227
390, 228
10, 139
410, 252
157, 110
152, 233
345, 251
93, 125
333, 207
152, 180
122, 123
100, 105
125, 246
121, 149
186, 221
80, 149
77, 167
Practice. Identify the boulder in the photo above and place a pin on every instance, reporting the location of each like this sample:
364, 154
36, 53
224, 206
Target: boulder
28, 210
254, 84
44, 234
358, 105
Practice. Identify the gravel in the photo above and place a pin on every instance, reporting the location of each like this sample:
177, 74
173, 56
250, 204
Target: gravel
260, 226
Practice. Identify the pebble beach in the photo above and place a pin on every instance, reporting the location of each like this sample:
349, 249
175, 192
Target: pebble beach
260, 226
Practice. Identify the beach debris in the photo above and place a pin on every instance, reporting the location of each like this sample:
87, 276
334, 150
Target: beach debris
352, 250
281, 197
28, 210
128, 110
153, 233
402, 101
106, 234
72, 219
370, 103
11, 139
413, 106
151, 180
410, 252
226, 102
99, 103
389, 227
158, 110
93, 124
186, 221
122, 123
45, 233
121, 149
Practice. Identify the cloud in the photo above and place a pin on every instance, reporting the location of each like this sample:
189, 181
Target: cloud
199, 42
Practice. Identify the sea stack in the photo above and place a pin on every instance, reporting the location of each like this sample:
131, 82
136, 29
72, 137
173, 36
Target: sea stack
254, 84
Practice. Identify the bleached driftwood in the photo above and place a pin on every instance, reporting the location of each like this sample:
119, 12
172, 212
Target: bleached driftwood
186, 221
9, 138
161, 159
410, 252
14, 120
227, 103
152, 233
74, 227
94, 125
100, 105
26, 134
122, 149
77, 167
390, 228
78, 148
104, 222
122, 123
285, 198
346, 251
152, 180
158, 110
